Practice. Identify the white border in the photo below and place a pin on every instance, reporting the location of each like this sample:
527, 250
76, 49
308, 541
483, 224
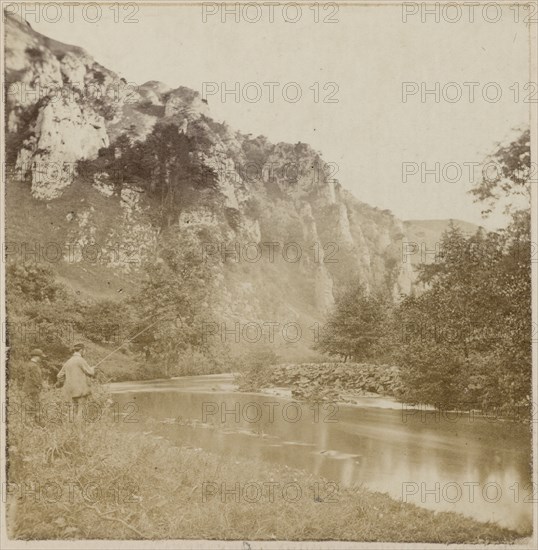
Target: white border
6, 544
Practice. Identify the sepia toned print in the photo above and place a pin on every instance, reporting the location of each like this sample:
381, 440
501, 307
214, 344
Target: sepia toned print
269, 275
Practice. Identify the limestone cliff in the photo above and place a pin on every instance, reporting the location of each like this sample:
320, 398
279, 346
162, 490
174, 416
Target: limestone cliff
64, 107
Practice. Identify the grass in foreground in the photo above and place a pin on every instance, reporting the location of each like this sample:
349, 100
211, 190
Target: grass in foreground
92, 480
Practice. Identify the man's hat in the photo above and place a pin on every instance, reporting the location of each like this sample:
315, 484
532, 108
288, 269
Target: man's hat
78, 347
37, 353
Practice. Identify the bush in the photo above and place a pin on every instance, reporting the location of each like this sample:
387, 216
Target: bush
254, 368
41, 312
107, 321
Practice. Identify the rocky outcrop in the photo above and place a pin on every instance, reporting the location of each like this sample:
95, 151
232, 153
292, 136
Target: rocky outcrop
64, 132
184, 102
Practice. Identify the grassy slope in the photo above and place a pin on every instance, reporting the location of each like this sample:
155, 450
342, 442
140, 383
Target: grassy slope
33, 222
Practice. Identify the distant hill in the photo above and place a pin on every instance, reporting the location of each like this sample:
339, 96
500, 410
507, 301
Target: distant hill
427, 236
438, 226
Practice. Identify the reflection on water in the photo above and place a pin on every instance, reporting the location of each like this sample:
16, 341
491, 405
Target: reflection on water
474, 466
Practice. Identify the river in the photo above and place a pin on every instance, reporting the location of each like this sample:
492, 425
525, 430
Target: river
463, 463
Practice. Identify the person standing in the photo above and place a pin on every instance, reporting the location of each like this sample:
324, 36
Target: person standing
33, 382
75, 372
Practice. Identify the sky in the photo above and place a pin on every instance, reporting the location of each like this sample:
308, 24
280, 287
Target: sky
417, 158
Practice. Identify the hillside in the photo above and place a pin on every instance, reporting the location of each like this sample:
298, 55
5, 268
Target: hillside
281, 236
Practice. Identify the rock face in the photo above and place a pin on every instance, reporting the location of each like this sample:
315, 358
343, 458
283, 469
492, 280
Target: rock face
64, 132
314, 236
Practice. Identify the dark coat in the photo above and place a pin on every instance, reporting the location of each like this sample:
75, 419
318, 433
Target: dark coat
33, 379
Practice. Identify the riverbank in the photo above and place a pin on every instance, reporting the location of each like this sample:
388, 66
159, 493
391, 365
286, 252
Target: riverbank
340, 382
89, 478
350, 383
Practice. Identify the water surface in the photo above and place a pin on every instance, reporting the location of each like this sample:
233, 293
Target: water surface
478, 467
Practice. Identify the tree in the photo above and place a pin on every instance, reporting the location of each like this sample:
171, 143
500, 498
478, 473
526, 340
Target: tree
467, 338
107, 321
179, 173
471, 329
506, 175
168, 164
430, 358
175, 300
354, 325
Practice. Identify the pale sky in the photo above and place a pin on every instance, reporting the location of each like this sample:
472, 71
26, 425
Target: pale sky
370, 132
